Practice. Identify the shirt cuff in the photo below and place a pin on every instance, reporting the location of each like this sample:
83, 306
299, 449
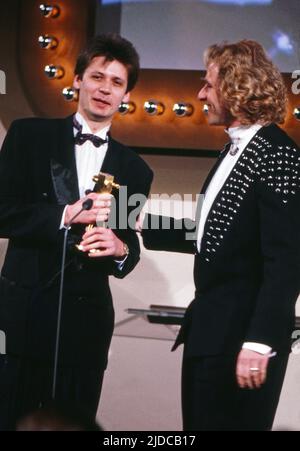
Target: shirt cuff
62, 222
120, 263
257, 347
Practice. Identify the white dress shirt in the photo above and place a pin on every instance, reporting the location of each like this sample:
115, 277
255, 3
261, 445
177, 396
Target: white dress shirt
239, 137
89, 159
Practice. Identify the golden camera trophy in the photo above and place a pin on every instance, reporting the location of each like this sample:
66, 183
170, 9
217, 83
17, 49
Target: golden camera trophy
104, 183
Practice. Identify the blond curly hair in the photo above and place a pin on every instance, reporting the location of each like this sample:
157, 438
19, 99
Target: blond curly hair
250, 85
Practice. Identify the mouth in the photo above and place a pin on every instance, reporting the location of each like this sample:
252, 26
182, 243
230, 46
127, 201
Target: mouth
101, 102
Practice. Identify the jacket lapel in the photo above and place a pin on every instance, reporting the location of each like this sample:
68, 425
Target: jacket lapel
63, 164
208, 179
229, 199
111, 163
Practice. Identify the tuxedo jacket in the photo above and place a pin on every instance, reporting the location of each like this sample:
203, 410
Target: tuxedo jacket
247, 274
38, 178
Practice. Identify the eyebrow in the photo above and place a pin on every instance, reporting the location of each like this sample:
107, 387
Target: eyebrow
119, 79
95, 71
114, 77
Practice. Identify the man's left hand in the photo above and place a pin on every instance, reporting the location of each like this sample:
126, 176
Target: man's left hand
102, 242
251, 369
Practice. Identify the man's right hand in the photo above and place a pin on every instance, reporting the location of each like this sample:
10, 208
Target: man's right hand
99, 211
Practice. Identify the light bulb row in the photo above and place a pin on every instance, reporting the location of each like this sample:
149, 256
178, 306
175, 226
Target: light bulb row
48, 42
156, 108
151, 107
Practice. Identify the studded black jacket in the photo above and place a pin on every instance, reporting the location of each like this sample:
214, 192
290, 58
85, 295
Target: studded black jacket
247, 274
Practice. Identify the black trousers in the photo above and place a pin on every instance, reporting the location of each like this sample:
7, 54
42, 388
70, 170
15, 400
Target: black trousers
26, 385
212, 400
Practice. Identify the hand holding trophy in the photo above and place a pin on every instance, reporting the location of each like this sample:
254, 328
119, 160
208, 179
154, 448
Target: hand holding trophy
104, 184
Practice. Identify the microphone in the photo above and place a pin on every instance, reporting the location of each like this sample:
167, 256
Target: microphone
86, 205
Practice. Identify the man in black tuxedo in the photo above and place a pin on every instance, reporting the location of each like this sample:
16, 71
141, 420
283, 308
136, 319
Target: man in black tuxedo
237, 331
46, 167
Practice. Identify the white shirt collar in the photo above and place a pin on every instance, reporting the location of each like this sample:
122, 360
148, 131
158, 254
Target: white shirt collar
242, 133
86, 129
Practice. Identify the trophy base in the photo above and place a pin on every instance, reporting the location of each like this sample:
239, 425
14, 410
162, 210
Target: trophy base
90, 227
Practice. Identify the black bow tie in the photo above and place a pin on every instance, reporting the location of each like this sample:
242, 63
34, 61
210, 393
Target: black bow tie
81, 138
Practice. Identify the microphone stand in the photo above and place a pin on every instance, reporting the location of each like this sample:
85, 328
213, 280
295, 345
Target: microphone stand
86, 205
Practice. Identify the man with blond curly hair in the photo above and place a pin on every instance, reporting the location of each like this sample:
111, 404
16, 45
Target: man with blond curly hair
237, 331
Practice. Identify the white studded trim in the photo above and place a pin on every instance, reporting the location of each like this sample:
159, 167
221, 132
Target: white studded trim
278, 168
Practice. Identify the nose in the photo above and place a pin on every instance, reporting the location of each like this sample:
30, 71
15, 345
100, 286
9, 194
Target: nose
202, 94
105, 86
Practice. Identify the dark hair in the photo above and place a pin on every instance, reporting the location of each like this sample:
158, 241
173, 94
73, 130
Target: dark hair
54, 416
113, 47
